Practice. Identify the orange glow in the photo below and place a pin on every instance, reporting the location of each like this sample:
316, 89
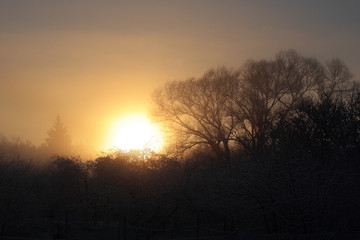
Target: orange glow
134, 132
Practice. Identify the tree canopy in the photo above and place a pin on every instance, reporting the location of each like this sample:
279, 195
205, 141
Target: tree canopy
226, 109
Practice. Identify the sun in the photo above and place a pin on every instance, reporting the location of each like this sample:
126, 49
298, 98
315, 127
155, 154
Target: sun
135, 132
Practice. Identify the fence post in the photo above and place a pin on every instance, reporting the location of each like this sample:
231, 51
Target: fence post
57, 229
124, 227
66, 224
198, 226
119, 228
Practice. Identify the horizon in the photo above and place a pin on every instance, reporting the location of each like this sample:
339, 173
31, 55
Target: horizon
92, 63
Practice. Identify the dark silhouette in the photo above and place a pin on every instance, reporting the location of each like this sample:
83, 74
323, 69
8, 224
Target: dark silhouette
272, 153
226, 107
197, 110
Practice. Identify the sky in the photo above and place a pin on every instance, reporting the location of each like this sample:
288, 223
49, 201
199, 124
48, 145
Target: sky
92, 61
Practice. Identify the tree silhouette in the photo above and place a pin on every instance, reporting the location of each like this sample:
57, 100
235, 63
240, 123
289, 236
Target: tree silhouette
268, 90
58, 141
197, 109
227, 108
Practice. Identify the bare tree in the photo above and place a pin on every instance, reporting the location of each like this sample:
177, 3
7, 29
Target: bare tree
267, 91
198, 109
336, 79
225, 108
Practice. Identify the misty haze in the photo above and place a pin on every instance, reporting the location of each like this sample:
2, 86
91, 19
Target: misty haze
179, 120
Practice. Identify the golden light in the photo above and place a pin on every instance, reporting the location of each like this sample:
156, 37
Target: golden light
135, 132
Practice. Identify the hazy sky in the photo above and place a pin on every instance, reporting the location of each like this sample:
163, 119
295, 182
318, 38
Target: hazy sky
92, 61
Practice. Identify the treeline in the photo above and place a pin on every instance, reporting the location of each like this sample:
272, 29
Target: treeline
57, 142
272, 148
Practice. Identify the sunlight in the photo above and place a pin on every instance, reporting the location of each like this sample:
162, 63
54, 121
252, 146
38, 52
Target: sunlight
135, 132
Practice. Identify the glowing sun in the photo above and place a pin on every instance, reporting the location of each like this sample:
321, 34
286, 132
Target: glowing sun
135, 132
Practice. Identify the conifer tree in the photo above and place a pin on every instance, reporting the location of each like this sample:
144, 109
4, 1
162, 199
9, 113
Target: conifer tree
58, 141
